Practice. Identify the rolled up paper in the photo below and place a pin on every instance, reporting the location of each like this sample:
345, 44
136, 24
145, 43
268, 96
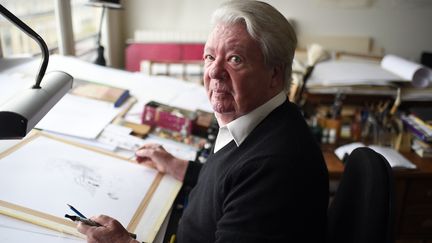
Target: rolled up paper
419, 75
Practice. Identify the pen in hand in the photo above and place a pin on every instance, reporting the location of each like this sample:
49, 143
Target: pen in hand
87, 221
83, 220
90, 222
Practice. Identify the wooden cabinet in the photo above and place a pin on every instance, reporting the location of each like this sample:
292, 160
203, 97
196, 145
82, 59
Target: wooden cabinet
413, 195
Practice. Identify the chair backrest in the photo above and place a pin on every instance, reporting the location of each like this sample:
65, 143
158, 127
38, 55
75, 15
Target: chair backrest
363, 209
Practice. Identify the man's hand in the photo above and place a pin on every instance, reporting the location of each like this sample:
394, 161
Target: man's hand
111, 231
154, 155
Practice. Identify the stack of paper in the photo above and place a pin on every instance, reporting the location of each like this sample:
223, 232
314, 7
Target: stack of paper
68, 117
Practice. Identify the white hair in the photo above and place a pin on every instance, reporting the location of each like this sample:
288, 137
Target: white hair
266, 25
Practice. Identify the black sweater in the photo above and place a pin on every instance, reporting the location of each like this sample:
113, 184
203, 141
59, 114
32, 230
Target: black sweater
272, 188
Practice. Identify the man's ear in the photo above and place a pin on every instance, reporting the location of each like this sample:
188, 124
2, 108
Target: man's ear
276, 76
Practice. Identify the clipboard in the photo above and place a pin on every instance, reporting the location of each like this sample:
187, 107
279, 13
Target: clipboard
145, 224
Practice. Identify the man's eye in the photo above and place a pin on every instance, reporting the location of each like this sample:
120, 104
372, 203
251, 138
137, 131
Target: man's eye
208, 58
235, 59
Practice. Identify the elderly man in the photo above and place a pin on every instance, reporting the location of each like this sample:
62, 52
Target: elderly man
266, 180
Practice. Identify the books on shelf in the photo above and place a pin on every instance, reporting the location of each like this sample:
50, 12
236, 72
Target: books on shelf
421, 148
102, 92
395, 159
418, 127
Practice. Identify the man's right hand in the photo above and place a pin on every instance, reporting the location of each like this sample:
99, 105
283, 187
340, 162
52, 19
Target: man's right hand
111, 231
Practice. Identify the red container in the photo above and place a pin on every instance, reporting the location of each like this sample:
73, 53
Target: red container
168, 117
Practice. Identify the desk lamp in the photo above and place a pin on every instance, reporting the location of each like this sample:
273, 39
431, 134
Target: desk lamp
113, 4
24, 110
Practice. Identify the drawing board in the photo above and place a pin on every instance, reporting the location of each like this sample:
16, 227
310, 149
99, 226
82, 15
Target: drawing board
42, 174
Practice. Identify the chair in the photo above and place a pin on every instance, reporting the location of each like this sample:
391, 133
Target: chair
363, 208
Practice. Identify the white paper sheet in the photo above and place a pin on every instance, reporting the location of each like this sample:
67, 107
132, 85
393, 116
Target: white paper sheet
420, 76
46, 175
79, 116
348, 73
395, 159
14, 230
180, 150
351, 73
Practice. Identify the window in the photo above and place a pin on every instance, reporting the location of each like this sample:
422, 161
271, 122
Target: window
38, 15
85, 21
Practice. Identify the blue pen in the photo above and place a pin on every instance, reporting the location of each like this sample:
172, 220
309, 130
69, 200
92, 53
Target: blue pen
76, 211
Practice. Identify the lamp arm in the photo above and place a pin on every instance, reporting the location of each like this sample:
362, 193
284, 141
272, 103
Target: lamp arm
25, 28
99, 36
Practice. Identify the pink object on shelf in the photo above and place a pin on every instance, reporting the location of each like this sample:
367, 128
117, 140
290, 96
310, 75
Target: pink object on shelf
137, 52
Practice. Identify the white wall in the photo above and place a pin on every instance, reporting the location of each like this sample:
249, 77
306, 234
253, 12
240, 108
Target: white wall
401, 27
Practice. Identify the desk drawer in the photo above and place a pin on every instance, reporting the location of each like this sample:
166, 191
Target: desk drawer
420, 190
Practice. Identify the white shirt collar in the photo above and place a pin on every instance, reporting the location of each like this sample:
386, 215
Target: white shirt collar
241, 127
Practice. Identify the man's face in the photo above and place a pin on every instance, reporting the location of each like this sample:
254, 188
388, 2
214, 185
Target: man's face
235, 77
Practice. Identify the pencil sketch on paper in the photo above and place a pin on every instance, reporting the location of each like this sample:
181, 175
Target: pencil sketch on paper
47, 168
84, 177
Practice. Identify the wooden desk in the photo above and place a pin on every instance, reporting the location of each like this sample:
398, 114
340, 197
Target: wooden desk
413, 195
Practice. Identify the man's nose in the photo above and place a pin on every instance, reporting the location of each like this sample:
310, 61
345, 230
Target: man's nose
218, 71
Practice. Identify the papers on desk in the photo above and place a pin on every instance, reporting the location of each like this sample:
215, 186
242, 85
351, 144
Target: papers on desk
395, 159
351, 73
14, 230
79, 116
180, 150
144, 88
119, 137
166, 90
